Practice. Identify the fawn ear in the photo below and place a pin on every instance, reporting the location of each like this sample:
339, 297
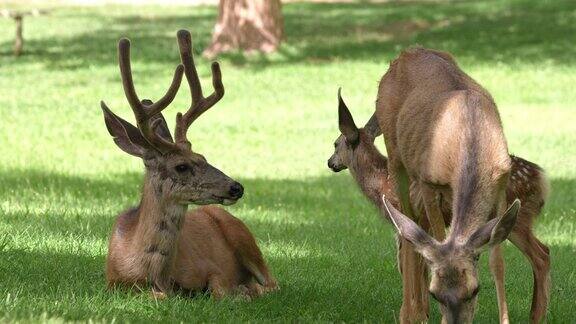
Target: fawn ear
372, 128
346, 122
424, 244
126, 136
496, 230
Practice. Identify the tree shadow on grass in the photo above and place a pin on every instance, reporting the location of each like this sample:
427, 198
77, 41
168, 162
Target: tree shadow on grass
479, 31
62, 203
316, 33
321, 238
153, 39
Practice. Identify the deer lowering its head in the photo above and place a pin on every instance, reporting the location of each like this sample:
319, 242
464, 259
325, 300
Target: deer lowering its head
443, 134
528, 183
157, 242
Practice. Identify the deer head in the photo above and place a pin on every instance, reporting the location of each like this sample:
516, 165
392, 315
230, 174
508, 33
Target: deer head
453, 264
352, 141
176, 172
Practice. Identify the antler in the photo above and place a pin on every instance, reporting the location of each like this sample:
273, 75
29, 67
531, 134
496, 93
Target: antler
200, 104
145, 110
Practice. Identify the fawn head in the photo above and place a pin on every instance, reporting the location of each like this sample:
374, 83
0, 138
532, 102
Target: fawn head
175, 171
454, 265
352, 141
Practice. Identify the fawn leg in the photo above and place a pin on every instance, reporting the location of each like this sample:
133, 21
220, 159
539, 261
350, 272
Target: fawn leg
539, 256
497, 269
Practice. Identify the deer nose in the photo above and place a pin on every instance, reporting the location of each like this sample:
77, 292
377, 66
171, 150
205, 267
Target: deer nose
330, 164
236, 190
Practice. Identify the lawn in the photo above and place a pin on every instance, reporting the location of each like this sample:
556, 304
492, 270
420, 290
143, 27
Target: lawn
63, 180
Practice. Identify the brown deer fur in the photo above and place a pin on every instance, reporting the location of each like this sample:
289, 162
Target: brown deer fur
159, 242
213, 251
528, 183
442, 131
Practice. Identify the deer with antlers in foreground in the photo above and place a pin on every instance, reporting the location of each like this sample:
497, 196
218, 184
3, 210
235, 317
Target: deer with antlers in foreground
443, 133
158, 242
355, 150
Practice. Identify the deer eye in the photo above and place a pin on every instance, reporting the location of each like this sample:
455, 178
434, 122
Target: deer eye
181, 168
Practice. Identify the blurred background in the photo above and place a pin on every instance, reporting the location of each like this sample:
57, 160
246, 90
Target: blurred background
62, 179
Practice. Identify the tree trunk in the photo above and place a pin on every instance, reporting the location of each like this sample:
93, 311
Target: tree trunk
247, 25
19, 41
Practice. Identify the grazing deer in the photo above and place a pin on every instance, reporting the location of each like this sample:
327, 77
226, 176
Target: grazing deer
528, 183
443, 133
158, 242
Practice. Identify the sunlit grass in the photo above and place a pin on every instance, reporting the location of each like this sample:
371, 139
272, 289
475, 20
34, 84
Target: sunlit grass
63, 180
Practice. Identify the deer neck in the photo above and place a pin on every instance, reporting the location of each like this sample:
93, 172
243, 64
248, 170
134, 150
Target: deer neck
369, 169
156, 235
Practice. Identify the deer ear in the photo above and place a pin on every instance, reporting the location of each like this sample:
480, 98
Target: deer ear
372, 127
496, 230
126, 136
424, 244
346, 122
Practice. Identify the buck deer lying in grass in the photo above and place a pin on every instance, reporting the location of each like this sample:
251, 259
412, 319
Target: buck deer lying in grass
528, 183
158, 242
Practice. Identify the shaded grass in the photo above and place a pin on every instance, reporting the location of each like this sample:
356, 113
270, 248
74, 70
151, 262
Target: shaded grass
63, 180
315, 240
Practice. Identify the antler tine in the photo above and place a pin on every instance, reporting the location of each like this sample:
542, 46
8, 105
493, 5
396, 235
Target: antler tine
127, 82
143, 112
185, 46
163, 102
200, 104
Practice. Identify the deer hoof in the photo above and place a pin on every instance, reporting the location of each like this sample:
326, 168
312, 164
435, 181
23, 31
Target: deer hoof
158, 295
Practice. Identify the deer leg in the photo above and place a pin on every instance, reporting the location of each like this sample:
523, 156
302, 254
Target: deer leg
434, 212
158, 294
539, 256
497, 269
159, 276
218, 286
419, 282
406, 308
412, 309
255, 289
243, 292
423, 274
419, 288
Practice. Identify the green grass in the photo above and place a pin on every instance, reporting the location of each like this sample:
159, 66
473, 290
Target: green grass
63, 180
